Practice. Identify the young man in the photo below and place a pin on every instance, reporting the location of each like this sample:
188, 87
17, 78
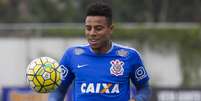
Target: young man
102, 70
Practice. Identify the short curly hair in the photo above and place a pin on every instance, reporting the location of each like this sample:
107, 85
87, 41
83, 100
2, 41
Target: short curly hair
100, 9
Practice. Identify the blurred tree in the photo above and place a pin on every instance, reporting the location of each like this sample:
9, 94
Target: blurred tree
183, 10
148, 12
129, 11
8, 10
124, 11
46, 10
54, 10
23, 10
3, 7
197, 11
163, 11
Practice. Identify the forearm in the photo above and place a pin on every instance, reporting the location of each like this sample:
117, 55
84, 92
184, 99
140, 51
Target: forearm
56, 96
143, 94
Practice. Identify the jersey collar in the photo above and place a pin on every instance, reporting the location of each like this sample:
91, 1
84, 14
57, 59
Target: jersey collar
104, 53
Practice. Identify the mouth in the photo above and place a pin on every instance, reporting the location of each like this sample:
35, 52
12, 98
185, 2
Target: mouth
93, 41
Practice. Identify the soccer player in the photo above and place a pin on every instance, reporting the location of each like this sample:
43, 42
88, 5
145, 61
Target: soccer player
102, 69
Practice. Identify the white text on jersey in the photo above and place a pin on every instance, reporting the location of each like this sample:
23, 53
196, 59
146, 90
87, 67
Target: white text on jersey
99, 88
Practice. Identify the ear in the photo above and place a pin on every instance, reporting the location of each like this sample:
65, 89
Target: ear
111, 27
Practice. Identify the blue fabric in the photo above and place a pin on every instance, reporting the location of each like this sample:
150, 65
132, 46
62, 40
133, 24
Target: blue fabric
102, 77
144, 93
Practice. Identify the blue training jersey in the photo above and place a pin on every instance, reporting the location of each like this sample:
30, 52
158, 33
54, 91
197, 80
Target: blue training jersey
102, 77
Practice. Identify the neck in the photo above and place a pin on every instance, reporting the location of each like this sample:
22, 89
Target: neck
103, 49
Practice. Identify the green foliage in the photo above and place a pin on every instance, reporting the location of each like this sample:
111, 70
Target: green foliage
123, 10
67, 32
9, 11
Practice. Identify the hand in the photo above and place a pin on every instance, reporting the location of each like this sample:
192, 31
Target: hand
132, 99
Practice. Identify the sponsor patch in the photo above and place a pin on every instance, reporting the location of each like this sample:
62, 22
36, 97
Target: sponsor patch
122, 53
78, 51
102, 88
64, 72
140, 73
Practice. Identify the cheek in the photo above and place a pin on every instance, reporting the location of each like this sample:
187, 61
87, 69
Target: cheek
105, 33
105, 38
108, 34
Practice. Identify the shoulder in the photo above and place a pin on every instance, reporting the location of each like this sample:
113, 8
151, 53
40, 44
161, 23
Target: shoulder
77, 49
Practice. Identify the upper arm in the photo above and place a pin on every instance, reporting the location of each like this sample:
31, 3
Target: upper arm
67, 78
140, 78
138, 72
67, 74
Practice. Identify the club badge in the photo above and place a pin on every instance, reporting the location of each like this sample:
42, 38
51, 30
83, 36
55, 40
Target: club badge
117, 67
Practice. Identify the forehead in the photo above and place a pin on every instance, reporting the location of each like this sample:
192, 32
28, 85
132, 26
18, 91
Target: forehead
95, 20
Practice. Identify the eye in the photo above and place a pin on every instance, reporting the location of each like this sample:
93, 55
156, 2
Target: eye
88, 28
99, 28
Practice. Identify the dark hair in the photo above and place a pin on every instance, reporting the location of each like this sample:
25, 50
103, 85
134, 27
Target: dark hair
100, 9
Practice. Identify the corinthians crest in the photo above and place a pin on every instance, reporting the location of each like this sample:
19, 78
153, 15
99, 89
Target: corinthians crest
117, 67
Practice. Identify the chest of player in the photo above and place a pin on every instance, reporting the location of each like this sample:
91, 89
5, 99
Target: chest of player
101, 69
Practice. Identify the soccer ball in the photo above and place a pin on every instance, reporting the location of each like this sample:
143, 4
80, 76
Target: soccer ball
43, 74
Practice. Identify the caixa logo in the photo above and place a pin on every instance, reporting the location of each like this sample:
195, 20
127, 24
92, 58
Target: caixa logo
106, 88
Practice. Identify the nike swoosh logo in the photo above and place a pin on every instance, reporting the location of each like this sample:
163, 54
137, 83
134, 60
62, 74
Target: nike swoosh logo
79, 66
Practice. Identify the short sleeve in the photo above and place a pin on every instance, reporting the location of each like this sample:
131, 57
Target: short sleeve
67, 74
67, 78
138, 72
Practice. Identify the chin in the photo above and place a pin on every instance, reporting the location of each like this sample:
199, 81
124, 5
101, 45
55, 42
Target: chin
94, 47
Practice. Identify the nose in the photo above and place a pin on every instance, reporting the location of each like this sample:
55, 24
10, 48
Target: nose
92, 32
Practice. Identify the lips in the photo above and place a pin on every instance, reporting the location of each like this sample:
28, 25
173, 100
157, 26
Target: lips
93, 41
